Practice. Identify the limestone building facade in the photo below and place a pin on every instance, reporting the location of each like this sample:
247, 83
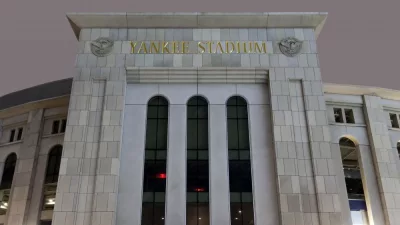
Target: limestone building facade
199, 119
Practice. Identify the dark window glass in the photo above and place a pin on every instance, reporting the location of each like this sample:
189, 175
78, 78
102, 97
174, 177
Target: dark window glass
398, 148
240, 181
6, 182
45, 222
349, 115
19, 136
240, 171
337, 113
8, 172
52, 172
393, 120
12, 134
56, 126
351, 169
155, 166
197, 210
53, 164
63, 126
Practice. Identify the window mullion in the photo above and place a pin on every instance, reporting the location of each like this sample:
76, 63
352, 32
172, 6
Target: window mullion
343, 115
59, 126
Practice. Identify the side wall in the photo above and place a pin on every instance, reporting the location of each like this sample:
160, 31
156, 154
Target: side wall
25, 204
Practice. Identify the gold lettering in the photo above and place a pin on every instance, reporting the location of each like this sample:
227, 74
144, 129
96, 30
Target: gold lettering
165, 48
264, 47
257, 47
227, 47
244, 47
219, 46
209, 46
185, 47
133, 45
143, 47
175, 49
238, 47
199, 44
251, 47
154, 47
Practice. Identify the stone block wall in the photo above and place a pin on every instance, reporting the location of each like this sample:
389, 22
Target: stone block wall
307, 182
121, 56
385, 158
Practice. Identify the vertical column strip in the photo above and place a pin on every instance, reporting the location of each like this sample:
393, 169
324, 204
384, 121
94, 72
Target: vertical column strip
219, 178
176, 167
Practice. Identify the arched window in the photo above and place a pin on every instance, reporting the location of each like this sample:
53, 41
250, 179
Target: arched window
155, 166
6, 182
51, 179
197, 162
240, 177
353, 180
351, 168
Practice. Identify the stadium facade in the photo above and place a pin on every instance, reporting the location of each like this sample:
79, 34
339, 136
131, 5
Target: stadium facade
199, 119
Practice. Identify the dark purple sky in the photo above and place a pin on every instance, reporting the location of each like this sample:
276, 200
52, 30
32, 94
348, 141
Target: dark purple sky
358, 45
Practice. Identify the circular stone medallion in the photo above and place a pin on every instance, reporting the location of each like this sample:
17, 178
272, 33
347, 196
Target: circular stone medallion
102, 46
290, 46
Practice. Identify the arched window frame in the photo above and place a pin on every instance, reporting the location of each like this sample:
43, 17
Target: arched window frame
240, 172
155, 166
51, 177
349, 151
197, 162
53, 164
7, 179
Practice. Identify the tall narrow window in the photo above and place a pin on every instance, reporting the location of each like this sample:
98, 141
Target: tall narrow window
51, 179
197, 162
240, 182
337, 112
6, 182
353, 179
155, 166
393, 120
56, 126
12, 134
63, 125
19, 136
349, 115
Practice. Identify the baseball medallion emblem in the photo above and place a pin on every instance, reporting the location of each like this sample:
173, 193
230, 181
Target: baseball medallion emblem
102, 46
290, 46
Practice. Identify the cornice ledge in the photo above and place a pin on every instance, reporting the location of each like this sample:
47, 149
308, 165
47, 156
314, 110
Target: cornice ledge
314, 20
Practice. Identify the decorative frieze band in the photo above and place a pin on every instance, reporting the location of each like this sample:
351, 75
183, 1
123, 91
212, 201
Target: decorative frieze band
195, 75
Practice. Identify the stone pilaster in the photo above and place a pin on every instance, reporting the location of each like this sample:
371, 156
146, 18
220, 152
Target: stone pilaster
384, 158
132, 165
35, 208
25, 171
307, 181
89, 172
219, 172
175, 213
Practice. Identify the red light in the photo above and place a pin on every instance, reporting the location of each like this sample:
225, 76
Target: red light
161, 175
199, 189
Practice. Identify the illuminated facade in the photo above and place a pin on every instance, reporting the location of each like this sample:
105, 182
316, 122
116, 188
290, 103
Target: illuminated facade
199, 119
